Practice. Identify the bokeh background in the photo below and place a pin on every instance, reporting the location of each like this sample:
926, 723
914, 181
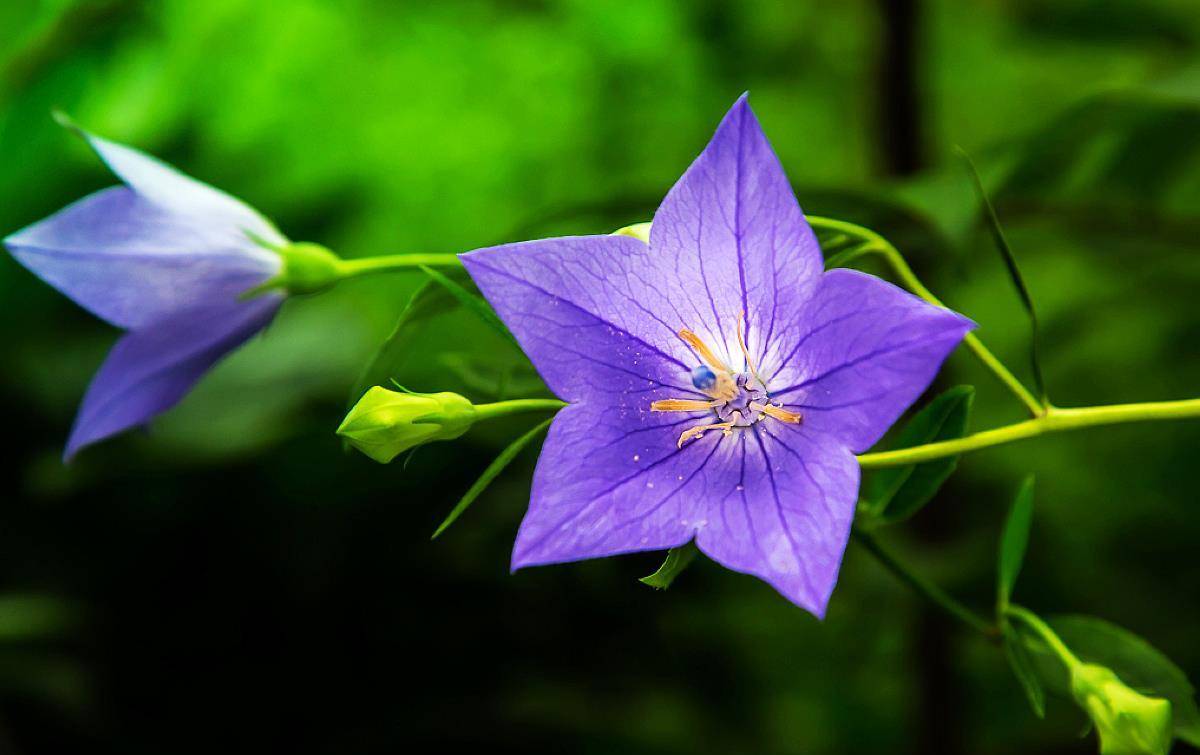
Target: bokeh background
232, 580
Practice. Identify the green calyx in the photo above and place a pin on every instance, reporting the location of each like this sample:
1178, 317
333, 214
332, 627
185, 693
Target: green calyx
384, 423
1128, 722
307, 268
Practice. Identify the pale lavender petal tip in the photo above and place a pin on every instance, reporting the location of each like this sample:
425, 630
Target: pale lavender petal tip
170, 188
133, 262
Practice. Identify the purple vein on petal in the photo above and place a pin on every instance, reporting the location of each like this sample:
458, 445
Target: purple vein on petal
891, 349
584, 507
699, 468
593, 315
783, 522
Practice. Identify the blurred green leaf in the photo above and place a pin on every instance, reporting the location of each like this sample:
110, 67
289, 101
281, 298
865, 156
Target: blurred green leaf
491, 473
28, 665
951, 214
46, 676
896, 493
34, 617
1023, 668
1139, 665
484, 376
1014, 272
1013, 541
912, 226
1130, 146
443, 342
677, 560
428, 300
473, 302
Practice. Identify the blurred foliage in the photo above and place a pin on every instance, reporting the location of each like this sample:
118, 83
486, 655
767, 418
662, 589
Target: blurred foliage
243, 577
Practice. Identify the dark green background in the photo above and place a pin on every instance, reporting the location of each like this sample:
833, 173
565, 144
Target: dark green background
232, 581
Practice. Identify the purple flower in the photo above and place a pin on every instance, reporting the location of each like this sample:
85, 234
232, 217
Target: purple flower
166, 258
719, 382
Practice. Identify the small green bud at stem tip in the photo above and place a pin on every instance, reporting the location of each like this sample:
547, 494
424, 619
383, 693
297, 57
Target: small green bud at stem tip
384, 424
308, 268
1127, 721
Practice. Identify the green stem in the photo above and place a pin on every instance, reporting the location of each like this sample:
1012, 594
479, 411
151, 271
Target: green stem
393, 262
927, 589
1054, 420
516, 406
877, 244
1030, 619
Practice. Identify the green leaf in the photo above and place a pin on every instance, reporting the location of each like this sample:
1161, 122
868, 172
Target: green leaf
1139, 665
491, 473
427, 301
1013, 541
1014, 273
480, 374
34, 617
896, 493
439, 343
677, 560
472, 302
1026, 673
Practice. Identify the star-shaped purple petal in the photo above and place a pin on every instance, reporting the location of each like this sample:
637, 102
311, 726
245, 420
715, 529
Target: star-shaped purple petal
167, 258
816, 367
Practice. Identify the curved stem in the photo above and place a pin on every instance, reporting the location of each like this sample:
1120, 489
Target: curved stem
1054, 420
879, 245
927, 589
1031, 620
388, 263
504, 408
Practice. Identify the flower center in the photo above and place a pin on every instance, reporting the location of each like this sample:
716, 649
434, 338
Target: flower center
738, 399
746, 407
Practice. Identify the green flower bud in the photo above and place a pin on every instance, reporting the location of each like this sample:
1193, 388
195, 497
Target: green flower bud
1128, 722
639, 231
384, 424
307, 268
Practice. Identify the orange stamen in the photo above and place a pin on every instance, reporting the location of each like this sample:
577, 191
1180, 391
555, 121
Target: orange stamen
741, 327
696, 432
701, 348
682, 405
777, 412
